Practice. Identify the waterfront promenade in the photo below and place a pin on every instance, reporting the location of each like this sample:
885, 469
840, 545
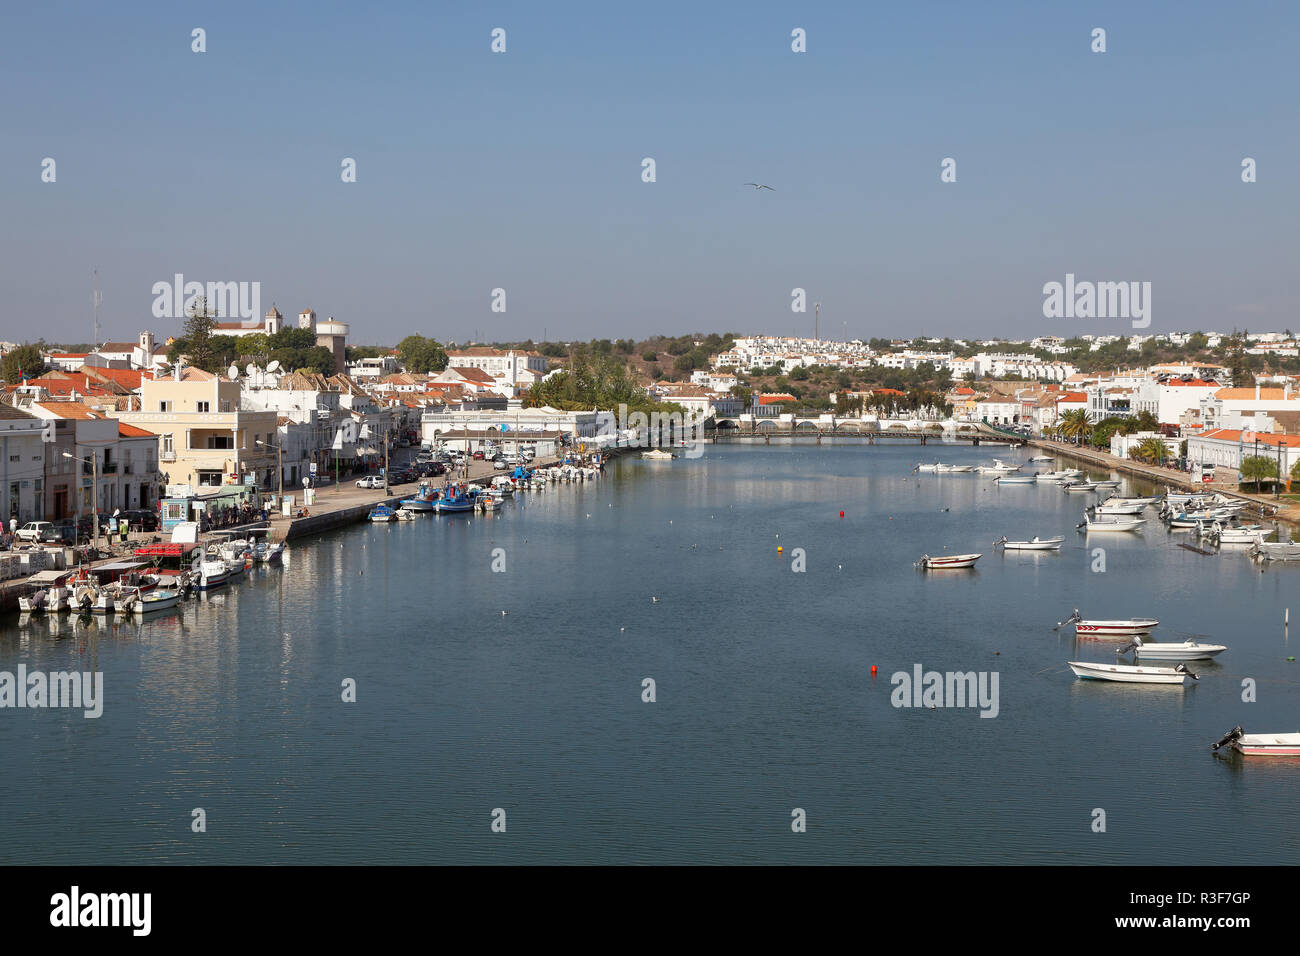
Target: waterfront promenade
1287, 511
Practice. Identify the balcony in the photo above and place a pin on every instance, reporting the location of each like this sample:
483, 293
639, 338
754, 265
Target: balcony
169, 456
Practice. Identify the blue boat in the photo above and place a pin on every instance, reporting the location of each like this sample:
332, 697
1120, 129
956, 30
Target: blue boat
455, 500
383, 513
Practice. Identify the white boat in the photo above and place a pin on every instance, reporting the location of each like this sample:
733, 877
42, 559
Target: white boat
1172, 651
1276, 550
1251, 534
1037, 458
45, 593
929, 469
959, 469
266, 553
1115, 523
1057, 476
1070, 486
1016, 480
1130, 674
997, 468
657, 454
151, 601
1260, 745
1128, 627
1036, 544
1122, 508
946, 561
1107, 483
209, 571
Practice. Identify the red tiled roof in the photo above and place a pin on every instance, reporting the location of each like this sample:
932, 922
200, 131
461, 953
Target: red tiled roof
130, 431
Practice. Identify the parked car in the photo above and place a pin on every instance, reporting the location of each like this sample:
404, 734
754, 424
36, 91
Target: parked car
500, 464
371, 481
478, 456
31, 531
61, 534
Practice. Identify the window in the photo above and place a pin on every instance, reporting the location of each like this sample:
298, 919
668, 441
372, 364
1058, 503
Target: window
220, 441
225, 404
203, 406
164, 406
169, 444
209, 479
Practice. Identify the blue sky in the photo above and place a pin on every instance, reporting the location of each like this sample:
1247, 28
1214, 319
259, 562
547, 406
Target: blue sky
523, 170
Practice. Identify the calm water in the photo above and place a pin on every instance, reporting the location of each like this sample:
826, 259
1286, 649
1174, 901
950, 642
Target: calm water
765, 701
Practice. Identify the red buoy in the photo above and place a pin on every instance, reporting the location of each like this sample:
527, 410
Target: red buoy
841, 514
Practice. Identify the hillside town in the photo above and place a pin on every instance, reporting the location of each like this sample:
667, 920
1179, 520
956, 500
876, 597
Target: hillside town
126, 424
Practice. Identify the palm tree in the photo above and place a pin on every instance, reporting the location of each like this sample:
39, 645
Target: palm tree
1074, 424
1152, 450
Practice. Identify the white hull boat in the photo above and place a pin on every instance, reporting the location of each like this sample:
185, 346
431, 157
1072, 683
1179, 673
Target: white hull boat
997, 468
1260, 745
1081, 486
947, 561
1016, 480
1131, 674
1171, 651
1036, 544
1038, 458
657, 454
1116, 523
1129, 627
1106, 508
1277, 550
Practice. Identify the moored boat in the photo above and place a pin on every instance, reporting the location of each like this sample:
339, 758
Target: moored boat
1131, 674
1171, 651
151, 601
1035, 544
946, 561
1127, 627
1260, 745
1116, 523
657, 454
1016, 480
382, 513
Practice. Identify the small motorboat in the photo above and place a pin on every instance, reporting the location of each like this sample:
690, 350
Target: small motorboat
1080, 486
1034, 544
455, 501
1247, 534
148, 602
997, 468
946, 561
1276, 550
1116, 523
209, 571
1260, 745
1016, 480
1111, 507
1038, 458
45, 593
266, 553
657, 454
1066, 475
1130, 674
1179, 651
382, 513
1128, 627
929, 469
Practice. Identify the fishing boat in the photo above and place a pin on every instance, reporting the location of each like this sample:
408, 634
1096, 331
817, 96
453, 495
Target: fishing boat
266, 553
1016, 480
209, 571
45, 593
455, 500
1058, 476
382, 513
657, 454
1276, 550
1107, 483
1116, 523
150, 601
1035, 544
1172, 651
1260, 745
422, 500
1128, 627
1131, 674
946, 561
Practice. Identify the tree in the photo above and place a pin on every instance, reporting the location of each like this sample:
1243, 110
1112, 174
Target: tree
1295, 471
1258, 469
744, 393
419, 354
1074, 424
197, 339
25, 361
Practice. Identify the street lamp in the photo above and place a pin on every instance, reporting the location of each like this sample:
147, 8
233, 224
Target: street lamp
279, 467
94, 488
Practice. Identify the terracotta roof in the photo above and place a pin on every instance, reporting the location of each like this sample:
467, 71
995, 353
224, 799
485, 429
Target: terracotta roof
70, 410
130, 431
474, 375
116, 347
1264, 438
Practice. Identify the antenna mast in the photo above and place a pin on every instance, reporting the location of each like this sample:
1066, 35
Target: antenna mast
96, 299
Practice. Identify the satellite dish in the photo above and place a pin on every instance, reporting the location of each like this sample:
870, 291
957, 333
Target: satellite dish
274, 366
250, 368
233, 371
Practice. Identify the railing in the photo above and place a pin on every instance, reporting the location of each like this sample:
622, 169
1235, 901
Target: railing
169, 456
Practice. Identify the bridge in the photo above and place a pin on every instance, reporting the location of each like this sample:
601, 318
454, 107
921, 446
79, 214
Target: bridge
828, 426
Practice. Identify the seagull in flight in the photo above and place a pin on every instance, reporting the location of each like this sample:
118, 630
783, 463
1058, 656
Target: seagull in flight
759, 186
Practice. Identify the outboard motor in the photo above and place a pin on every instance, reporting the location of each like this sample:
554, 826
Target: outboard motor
1182, 669
1234, 734
1132, 645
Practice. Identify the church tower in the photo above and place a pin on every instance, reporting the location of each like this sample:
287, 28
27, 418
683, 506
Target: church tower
307, 319
274, 321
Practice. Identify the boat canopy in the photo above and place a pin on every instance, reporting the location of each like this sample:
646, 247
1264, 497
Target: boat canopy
48, 577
